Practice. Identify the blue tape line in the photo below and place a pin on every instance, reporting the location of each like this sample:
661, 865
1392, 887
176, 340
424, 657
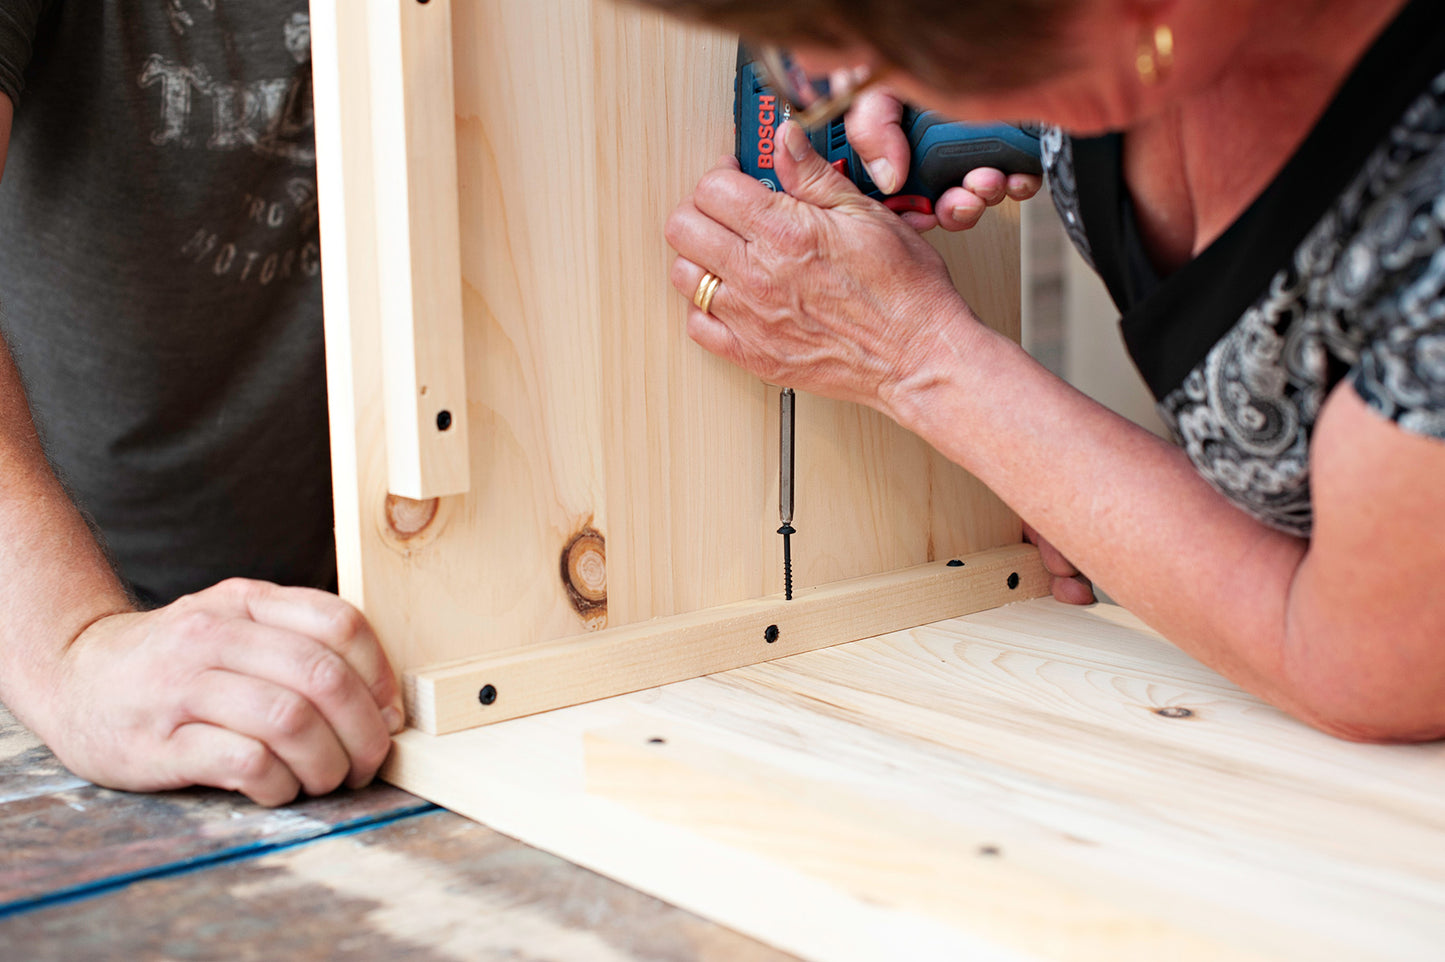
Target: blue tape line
113, 883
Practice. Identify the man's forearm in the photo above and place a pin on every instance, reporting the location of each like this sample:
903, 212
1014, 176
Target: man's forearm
55, 580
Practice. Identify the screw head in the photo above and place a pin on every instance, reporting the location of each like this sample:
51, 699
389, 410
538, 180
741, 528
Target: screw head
1013, 581
1174, 712
444, 420
770, 634
487, 695
955, 563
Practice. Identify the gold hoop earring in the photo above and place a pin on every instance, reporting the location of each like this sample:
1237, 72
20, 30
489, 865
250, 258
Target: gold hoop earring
1155, 54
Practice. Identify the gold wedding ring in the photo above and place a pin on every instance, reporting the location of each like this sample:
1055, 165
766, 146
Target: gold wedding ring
706, 290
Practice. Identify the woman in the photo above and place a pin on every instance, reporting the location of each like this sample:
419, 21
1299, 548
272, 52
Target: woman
1261, 183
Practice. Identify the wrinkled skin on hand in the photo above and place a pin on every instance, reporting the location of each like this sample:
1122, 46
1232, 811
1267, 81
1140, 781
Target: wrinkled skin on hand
822, 289
247, 686
825, 291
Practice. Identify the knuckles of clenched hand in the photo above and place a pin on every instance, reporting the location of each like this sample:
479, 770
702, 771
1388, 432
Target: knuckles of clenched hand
245, 686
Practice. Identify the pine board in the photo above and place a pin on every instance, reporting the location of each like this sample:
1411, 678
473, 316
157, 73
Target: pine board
595, 665
999, 786
593, 422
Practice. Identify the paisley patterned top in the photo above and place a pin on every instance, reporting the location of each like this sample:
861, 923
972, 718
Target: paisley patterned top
1335, 273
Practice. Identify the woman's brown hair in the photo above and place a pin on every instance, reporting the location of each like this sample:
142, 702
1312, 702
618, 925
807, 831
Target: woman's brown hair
950, 45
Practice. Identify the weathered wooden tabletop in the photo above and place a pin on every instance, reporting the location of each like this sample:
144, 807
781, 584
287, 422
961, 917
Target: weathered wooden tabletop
87, 873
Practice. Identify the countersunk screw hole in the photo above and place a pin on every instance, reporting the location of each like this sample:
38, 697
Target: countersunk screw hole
657, 741
444, 420
955, 563
1013, 581
1174, 712
770, 634
487, 695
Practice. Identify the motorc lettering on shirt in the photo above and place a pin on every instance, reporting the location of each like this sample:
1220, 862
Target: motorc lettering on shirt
275, 237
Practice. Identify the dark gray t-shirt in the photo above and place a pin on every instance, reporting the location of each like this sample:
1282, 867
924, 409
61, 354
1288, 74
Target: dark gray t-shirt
160, 279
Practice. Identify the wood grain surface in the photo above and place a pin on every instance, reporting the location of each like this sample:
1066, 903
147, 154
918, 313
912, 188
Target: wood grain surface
580, 125
419, 243
597, 665
1031, 782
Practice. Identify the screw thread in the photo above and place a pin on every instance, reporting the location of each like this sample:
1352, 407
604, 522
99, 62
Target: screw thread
787, 531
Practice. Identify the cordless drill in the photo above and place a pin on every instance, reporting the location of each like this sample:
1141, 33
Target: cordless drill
942, 150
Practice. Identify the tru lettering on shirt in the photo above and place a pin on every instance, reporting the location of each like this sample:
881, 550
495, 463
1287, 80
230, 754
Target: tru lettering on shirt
263, 239
271, 116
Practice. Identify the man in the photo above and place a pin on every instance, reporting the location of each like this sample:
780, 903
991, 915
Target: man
160, 279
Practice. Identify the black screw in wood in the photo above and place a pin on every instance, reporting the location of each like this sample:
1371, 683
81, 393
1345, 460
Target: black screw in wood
1013, 581
657, 741
787, 531
1174, 712
770, 634
487, 695
444, 420
955, 563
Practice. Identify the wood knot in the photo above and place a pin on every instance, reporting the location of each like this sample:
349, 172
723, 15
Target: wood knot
584, 574
408, 518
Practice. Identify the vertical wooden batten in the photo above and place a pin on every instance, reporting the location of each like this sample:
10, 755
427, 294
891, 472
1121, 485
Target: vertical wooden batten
418, 235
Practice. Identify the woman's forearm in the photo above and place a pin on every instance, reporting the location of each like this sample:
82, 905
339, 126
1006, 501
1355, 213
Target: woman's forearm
1126, 507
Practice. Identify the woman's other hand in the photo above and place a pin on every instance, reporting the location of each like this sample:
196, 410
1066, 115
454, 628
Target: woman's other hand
821, 289
875, 133
1069, 584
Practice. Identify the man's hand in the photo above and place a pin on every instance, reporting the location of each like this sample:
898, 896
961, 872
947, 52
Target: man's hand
874, 131
245, 686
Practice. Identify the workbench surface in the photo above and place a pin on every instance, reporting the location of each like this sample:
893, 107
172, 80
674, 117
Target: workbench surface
1033, 782
87, 873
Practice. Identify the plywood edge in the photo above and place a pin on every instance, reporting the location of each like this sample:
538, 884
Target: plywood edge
570, 671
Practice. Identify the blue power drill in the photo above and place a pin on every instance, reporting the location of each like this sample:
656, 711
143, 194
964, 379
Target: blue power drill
942, 150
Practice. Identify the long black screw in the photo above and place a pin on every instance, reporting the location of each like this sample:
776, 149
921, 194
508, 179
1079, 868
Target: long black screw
786, 429
787, 531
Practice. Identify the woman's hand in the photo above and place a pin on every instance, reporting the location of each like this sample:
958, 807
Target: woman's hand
822, 289
245, 686
874, 131
1069, 584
